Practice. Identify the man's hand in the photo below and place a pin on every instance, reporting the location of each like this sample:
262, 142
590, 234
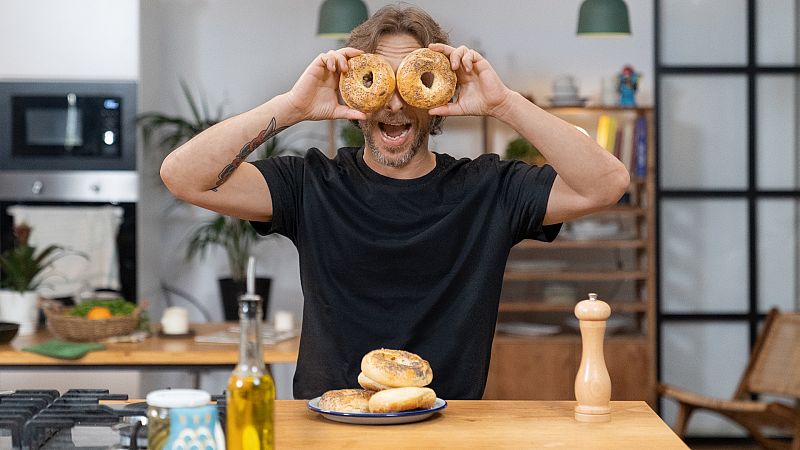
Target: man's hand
481, 91
314, 95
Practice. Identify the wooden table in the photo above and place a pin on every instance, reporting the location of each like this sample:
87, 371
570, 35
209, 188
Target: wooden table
482, 424
153, 353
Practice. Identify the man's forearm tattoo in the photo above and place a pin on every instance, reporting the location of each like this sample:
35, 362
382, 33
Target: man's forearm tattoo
271, 130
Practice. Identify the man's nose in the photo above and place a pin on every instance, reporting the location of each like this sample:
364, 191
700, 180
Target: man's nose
395, 102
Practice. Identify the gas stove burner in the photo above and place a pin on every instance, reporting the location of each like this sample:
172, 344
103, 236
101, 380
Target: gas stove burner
46, 419
132, 432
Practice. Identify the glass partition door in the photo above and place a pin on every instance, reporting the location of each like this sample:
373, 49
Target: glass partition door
728, 114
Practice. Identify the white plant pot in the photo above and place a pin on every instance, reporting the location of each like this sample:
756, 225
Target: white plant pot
21, 308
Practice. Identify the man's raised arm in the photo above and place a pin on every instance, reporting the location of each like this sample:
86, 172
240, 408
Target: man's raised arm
207, 171
589, 178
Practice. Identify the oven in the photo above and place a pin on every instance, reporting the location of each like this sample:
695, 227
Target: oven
71, 145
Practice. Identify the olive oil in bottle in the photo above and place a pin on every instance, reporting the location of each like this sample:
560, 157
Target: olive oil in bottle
251, 390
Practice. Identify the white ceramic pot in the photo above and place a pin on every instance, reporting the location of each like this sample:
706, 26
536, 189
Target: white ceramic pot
21, 308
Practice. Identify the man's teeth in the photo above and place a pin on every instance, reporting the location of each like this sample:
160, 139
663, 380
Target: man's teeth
397, 131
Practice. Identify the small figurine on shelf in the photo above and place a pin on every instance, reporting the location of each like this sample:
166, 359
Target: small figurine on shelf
627, 83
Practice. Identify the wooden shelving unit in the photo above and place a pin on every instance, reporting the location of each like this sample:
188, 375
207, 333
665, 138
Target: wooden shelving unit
620, 268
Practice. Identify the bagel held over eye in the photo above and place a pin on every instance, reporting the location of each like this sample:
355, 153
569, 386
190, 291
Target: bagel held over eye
368, 83
402, 399
396, 368
346, 400
425, 79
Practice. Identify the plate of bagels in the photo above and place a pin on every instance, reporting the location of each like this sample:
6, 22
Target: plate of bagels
393, 391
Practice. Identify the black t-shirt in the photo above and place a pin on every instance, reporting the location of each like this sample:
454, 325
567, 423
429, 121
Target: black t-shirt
413, 264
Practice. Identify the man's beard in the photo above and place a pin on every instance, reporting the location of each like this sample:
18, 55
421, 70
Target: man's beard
392, 158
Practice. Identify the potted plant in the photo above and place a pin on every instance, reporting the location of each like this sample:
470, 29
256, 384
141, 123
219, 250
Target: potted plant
22, 266
236, 236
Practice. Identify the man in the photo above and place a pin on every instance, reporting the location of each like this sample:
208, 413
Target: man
399, 247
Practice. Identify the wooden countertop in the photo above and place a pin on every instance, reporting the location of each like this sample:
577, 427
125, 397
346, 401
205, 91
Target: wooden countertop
153, 351
482, 424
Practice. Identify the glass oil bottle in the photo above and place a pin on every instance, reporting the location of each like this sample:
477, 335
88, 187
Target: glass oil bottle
251, 390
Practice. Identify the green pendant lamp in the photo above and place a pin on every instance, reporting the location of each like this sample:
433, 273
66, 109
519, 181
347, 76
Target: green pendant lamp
600, 18
337, 18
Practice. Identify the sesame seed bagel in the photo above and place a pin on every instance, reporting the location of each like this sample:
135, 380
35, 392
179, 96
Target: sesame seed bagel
396, 368
346, 400
368, 83
412, 78
370, 384
402, 399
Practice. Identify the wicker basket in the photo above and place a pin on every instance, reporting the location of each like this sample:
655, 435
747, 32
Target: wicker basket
80, 329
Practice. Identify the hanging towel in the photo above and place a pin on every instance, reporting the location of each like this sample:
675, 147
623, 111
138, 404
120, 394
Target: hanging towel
91, 230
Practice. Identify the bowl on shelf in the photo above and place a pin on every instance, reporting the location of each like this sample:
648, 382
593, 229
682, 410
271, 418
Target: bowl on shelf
562, 101
8, 331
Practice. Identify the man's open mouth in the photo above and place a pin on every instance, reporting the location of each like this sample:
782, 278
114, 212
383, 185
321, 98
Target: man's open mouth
394, 131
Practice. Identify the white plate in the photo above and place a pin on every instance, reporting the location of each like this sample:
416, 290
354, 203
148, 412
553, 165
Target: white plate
537, 265
528, 329
613, 324
378, 418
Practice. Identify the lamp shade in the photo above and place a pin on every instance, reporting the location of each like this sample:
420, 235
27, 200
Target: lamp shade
337, 18
604, 18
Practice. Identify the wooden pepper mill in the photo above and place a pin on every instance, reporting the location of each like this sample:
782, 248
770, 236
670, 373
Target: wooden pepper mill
592, 384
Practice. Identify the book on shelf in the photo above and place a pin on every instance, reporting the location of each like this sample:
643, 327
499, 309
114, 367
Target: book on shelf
626, 145
640, 147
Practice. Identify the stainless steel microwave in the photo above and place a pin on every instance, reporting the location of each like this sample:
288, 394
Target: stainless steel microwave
68, 141
48, 126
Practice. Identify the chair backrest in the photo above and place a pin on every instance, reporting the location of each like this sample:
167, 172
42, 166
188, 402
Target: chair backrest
774, 366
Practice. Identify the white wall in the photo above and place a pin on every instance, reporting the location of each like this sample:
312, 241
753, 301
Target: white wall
241, 53
78, 39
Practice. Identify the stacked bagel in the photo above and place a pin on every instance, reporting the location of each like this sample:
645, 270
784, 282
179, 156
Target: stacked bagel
392, 381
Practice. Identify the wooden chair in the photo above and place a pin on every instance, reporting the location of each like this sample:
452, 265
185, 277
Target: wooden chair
774, 369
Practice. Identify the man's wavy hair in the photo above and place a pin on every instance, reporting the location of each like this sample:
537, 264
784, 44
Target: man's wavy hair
399, 19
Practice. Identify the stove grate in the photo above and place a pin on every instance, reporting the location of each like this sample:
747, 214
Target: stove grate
43, 419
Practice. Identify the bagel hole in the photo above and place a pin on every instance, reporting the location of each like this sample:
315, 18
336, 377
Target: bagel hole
366, 80
427, 79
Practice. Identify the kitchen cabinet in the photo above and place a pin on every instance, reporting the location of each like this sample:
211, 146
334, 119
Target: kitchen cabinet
537, 348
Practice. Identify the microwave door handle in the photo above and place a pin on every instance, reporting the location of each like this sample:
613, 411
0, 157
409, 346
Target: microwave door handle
71, 135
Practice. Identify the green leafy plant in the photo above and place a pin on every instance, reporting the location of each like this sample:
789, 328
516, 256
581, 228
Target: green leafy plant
22, 265
175, 130
352, 135
116, 306
236, 236
523, 150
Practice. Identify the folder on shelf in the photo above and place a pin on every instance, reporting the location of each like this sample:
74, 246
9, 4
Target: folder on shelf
607, 132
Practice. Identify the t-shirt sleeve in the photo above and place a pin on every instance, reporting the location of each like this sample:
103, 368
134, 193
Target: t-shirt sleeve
284, 177
525, 190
